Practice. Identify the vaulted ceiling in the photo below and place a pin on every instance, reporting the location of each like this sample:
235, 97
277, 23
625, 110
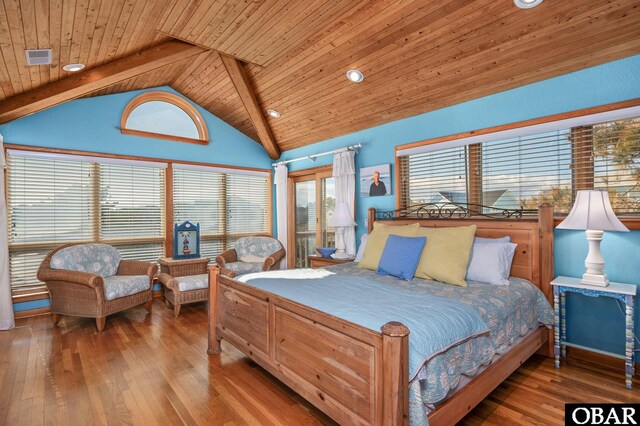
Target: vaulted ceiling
417, 55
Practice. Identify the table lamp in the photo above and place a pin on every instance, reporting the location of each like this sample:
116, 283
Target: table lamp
340, 220
592, 212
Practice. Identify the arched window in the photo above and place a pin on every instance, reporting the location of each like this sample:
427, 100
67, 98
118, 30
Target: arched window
164, 115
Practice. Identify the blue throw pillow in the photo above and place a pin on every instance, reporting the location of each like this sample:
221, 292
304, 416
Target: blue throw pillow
400, 256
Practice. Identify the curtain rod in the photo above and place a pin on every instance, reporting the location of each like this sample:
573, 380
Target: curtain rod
311, 157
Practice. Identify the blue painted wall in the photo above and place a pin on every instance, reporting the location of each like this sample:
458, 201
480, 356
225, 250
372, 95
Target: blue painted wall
92, 125
592, 322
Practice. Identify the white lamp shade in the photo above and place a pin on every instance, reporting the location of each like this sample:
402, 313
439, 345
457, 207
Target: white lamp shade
592, 210
342, 216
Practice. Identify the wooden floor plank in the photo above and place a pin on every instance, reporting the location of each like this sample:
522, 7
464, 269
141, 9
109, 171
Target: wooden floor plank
153, 369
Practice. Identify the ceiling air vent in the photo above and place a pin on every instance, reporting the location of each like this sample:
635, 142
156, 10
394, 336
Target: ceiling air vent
38, 56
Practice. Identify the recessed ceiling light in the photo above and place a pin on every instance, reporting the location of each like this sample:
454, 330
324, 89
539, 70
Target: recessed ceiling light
73, 67
527, 4
272, 112
355, 76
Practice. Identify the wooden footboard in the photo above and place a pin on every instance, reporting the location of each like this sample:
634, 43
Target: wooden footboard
353, 374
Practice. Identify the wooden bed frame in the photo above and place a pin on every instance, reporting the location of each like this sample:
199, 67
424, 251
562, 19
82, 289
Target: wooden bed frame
356, 375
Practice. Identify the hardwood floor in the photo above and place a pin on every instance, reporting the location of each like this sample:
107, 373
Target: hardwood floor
153, 369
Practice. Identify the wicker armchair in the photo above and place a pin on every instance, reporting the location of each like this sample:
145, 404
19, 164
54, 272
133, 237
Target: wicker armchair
252, 254
185, 281
75, 292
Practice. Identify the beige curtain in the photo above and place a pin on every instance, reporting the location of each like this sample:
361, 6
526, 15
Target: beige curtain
6, 306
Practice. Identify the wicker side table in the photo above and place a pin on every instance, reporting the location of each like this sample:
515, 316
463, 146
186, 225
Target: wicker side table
171, 270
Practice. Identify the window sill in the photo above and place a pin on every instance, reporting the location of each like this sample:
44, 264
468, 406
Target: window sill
29, 295
633, 223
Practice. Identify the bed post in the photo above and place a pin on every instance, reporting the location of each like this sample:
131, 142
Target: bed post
371, 217
545, 228
214, 340
395, 372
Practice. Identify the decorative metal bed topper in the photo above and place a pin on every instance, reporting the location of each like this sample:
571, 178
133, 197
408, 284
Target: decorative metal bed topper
454, 211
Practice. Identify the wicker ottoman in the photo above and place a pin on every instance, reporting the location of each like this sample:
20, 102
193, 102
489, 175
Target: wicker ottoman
193, 288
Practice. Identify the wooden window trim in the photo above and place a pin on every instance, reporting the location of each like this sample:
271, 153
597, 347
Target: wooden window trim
314, 174
526, 123
171, 138
309, 172
183, 104
633, 223
167, 239
17, 147
474, 174
22, 296
225, 237
168, 211
582, 162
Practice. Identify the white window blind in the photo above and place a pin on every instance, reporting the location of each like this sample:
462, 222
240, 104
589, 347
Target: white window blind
132, 209
247, 204
434, 177
53, 199
227, 205
198, 196
528, 170
49, 202
616, 165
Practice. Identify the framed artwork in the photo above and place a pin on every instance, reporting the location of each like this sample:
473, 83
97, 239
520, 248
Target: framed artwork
186, 241
375, 181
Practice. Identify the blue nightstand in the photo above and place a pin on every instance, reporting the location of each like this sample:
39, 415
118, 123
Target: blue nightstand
624, 292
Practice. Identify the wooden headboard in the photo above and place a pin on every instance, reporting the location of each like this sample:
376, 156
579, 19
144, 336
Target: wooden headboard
533, 259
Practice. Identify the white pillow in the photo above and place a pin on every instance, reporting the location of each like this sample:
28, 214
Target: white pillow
363, 244
250, 258
506, 239
490, 262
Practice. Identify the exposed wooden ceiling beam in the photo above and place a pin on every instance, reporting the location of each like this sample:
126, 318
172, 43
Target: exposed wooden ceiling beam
95, 79
248, 97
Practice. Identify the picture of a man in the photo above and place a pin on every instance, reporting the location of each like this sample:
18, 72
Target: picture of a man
377, 188
375, 181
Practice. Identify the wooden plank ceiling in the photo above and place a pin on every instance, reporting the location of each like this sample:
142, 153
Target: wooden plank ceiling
417, 55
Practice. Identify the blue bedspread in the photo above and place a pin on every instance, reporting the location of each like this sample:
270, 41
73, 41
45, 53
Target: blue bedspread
510, 312
435, 323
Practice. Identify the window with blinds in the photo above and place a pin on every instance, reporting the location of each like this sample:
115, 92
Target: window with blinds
55, 199
529, 169
198, 196
49, 202
132, 209
227, 204
435, 176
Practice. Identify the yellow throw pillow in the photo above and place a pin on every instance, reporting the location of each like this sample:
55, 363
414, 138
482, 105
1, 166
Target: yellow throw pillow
446, 255
378, 239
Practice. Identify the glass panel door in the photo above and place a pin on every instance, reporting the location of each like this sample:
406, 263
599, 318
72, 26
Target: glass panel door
305, 222
314, 198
